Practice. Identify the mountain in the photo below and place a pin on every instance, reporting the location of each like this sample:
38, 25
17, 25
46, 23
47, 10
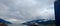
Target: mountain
4, 21
40, 21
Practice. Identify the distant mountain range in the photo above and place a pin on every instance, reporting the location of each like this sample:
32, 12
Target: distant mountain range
40, 21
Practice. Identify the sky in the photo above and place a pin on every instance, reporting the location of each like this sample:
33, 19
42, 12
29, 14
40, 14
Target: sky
19, 11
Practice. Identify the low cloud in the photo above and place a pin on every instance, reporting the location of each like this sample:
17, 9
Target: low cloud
25, 10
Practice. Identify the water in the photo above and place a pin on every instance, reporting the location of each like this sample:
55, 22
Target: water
17, 25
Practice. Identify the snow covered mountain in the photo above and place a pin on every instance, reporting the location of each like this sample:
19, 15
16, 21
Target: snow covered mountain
40, 21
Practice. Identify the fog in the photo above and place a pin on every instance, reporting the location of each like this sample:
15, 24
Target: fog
20, 11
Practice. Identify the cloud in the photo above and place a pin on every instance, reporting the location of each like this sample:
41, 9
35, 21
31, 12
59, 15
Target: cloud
25, 10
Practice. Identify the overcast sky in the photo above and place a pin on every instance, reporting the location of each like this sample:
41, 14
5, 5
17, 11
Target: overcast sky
19, 11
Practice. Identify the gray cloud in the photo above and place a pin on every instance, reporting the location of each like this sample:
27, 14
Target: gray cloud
25, 10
